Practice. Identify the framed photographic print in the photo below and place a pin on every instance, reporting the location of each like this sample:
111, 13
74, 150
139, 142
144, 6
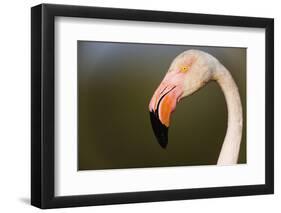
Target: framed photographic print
139, 106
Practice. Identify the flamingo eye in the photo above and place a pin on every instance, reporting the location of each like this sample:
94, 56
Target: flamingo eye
184, 69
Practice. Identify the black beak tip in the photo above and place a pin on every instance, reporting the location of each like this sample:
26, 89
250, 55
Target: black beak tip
159, 129
163, 144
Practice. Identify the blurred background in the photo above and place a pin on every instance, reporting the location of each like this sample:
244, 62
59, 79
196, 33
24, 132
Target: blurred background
115, 84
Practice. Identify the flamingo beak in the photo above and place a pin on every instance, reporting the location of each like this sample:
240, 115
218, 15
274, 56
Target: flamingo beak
161, 106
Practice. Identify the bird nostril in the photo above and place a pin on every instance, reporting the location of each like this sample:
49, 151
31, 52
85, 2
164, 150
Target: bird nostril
163, 90
163, 97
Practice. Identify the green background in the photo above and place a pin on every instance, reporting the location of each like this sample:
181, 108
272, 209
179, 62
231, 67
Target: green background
115, 84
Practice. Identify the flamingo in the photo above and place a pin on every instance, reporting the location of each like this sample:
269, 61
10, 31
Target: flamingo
188, 72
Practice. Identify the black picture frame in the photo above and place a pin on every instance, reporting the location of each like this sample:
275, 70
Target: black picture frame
43, 117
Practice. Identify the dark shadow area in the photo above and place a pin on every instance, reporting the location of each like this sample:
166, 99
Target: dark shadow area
25, 200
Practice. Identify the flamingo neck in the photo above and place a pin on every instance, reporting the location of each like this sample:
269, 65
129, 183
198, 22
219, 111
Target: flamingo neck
230, 149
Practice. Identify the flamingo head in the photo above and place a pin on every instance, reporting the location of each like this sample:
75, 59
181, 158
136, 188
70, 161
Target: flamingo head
188, 72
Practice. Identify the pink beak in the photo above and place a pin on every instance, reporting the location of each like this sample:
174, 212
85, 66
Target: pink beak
162, 104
